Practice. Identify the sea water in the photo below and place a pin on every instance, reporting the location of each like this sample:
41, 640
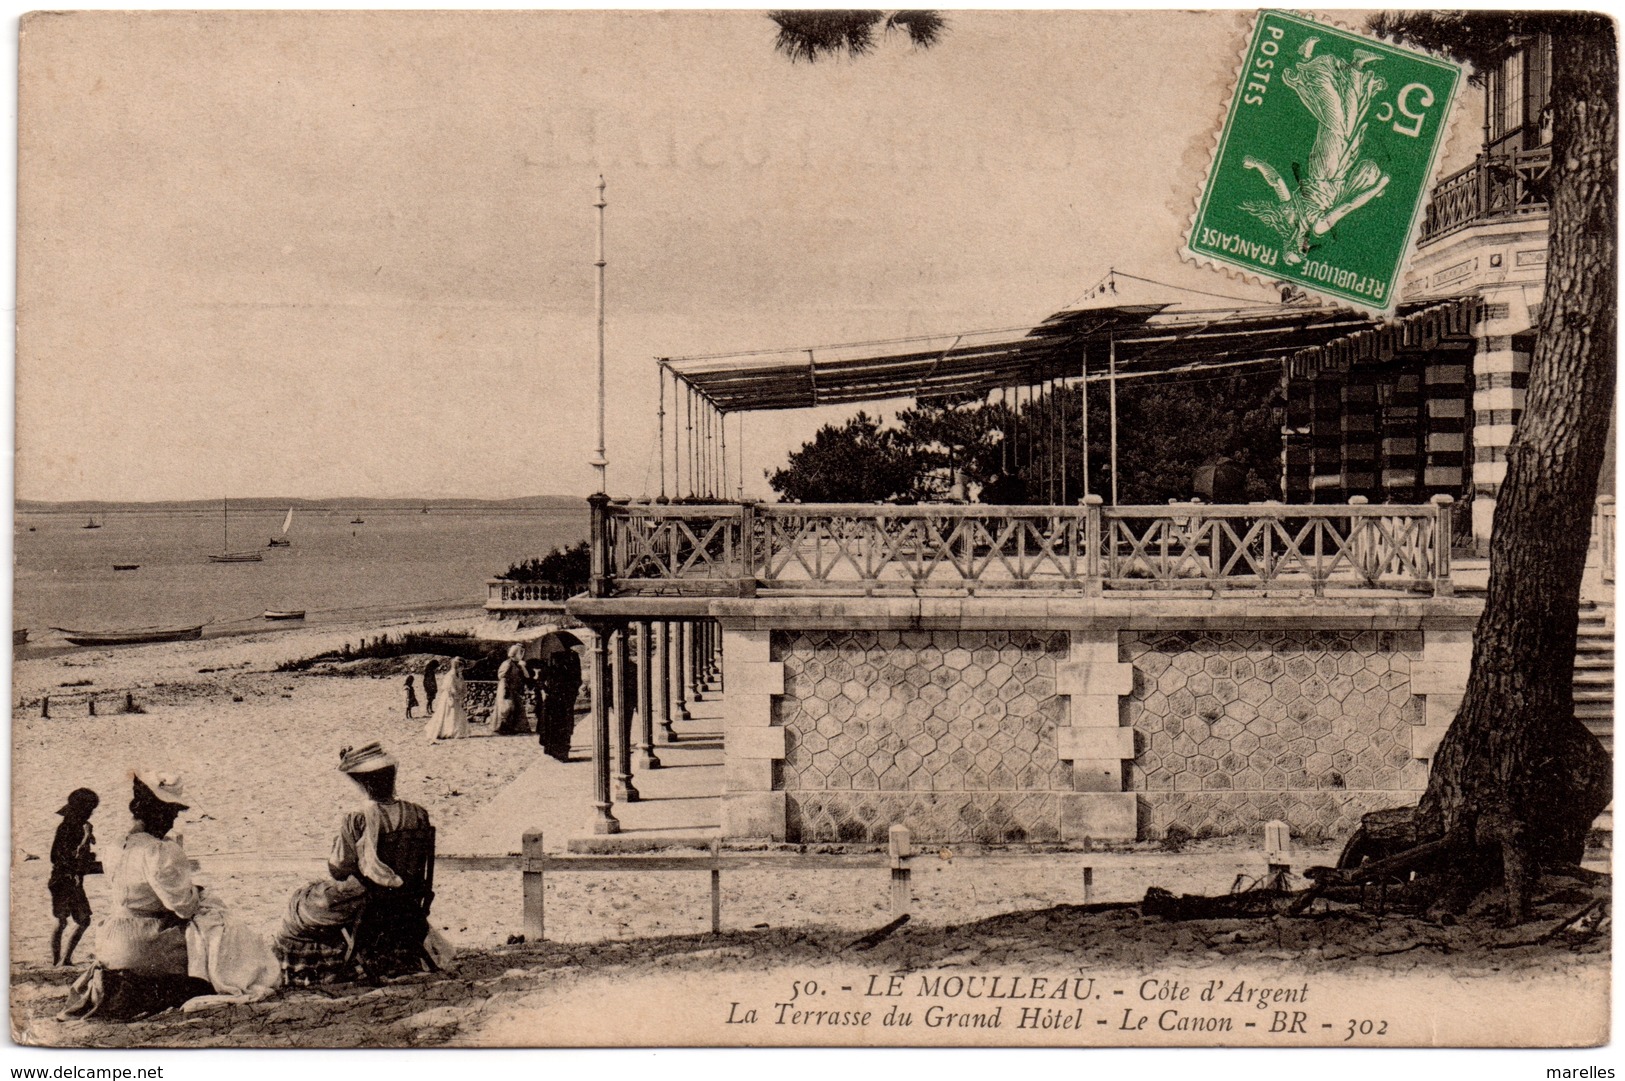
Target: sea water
396, 561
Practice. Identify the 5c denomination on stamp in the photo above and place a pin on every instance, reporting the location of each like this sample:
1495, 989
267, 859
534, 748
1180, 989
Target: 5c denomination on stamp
1325, 160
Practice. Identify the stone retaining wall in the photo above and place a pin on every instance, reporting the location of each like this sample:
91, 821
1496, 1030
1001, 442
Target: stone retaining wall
1233, 729
1063, 719
951, 733
963, 735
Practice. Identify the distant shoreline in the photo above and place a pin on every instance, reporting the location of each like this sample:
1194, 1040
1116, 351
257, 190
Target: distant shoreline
279, 503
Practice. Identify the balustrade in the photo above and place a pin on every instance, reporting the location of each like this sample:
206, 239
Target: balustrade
1493, 187
862, 549
502, 591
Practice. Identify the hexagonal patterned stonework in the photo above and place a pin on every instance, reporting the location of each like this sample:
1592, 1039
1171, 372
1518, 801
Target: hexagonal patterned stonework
949, 733
1237, 728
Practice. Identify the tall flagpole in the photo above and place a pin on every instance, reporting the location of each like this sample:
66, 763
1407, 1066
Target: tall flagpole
600, 463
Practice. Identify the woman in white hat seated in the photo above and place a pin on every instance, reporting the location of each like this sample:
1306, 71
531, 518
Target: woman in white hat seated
367, 916
165, 945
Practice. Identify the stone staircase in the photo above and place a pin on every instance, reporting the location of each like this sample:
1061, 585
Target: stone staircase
1594, 682
1594, 673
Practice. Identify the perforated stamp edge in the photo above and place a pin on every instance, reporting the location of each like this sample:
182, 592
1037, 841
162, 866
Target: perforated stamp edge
1405, 266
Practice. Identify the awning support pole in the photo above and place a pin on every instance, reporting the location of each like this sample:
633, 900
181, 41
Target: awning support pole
1112, 360
661, 441
1084, 387
1061, 408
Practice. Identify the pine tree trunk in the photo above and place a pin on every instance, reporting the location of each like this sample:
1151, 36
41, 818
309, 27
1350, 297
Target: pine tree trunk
1517, 779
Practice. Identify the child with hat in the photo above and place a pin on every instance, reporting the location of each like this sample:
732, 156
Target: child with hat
71, 859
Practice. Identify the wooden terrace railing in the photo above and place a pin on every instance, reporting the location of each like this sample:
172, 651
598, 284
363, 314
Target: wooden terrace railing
748, 549
1492, 188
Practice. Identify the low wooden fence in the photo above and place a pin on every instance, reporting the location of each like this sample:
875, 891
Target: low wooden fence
536, 865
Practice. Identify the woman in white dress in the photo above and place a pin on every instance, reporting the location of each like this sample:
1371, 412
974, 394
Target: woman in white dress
166, 944
449, 719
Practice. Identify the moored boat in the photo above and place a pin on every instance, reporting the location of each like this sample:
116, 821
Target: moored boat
271, 613
282, 541
19, 635
126, 566
226, 555
134, 636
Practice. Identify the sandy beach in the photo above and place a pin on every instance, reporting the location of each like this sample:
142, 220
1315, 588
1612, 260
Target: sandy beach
258, 748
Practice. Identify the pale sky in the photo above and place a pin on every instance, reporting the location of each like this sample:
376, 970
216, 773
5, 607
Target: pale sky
316, 254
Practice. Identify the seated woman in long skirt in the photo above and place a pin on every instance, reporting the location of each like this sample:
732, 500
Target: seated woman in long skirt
366, 917
141, 958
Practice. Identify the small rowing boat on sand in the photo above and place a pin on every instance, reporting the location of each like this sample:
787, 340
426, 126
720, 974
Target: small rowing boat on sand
19, 635
136, 636
126, 566
272, 613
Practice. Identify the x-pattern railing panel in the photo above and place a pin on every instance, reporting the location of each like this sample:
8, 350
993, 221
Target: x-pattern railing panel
866, 549
657, 545
1275, 544
919, 546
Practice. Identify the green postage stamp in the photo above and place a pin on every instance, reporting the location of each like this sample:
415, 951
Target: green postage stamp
1324, 162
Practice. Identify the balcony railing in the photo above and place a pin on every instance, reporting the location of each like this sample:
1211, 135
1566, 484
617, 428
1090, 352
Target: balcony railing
501, 593
1493, 188
865, 550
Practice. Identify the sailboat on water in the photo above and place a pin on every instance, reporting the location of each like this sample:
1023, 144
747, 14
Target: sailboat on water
282, 541
226, 555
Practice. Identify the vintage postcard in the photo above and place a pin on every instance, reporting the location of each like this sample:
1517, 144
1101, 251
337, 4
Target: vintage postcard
781, 529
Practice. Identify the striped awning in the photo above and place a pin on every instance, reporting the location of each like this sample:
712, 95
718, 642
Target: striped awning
1142, 338
1439, 323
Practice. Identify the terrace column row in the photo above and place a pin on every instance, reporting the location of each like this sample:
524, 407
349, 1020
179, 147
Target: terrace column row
643, 674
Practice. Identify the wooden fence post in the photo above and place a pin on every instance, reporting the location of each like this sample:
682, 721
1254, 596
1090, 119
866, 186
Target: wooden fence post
901, 849
1277, 847
1088, 884
1442, 540
45, 707
716, 885
1098, 562
535, 885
